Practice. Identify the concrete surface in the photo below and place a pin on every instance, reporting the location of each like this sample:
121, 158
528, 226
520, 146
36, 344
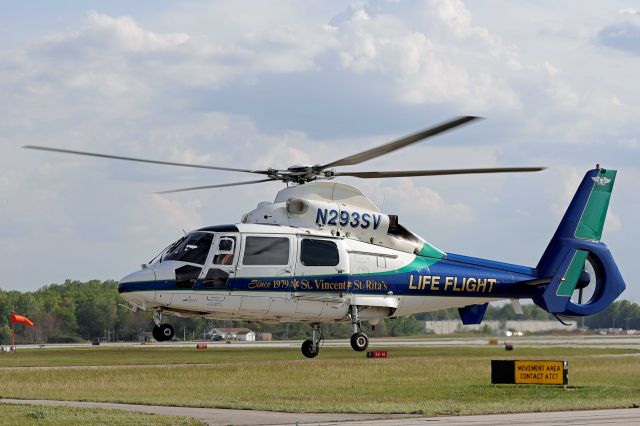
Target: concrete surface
588, 341
214, 416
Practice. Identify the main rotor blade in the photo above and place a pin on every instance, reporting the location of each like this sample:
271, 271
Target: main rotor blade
410, 173
249, 182
400, 143
142, 160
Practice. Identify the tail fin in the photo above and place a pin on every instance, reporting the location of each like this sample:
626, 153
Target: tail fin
576, 240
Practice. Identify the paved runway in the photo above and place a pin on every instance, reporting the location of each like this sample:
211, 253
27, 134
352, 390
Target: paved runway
628, 416
213, 416
590, 341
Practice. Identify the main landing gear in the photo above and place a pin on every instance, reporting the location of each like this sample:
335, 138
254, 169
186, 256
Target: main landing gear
310, 348
359, 340
161, 332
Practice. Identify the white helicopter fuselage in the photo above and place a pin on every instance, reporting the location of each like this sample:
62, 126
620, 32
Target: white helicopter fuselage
232, 284
314, 253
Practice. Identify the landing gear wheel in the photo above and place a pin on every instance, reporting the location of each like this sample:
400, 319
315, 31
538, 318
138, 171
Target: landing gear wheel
163, 332
309, 349
359, 341
156, 334
167, 331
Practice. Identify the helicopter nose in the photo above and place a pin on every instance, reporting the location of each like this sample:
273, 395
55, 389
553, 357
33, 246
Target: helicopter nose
138, 287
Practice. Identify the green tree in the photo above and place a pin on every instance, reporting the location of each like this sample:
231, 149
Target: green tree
95, 314
404, 326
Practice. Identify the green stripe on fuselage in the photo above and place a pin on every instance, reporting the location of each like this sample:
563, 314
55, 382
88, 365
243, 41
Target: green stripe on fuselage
428, 250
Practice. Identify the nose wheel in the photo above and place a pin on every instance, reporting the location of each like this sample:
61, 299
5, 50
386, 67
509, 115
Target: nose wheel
359, 340
161, 332
311, 347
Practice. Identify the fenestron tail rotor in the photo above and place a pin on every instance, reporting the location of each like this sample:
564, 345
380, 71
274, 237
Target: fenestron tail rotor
589, 283
304, 174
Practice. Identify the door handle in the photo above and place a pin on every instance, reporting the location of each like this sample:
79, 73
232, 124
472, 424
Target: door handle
287, 270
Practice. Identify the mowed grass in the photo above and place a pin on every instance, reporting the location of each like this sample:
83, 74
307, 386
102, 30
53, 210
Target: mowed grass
430, 381
215, 354
18, 415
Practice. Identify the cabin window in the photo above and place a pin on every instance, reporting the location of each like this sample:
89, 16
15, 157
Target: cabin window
266, 251
319, 253
193, 249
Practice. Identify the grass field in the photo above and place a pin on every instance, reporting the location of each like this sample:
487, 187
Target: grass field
19, 415
425, 380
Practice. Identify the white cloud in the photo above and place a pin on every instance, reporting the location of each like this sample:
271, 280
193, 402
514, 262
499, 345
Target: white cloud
177, 214
422, 71
125, 34
613, 223
630, 11
570, 179
426, 204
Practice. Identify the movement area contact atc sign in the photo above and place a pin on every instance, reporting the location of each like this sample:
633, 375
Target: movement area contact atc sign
529, 372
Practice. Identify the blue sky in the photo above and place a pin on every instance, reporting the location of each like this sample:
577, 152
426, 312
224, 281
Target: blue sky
256, 84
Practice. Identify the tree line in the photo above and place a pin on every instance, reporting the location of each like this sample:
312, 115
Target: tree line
79, 311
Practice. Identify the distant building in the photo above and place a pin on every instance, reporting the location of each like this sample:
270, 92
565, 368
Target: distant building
240, 334
264, 337
525, 326
606, 331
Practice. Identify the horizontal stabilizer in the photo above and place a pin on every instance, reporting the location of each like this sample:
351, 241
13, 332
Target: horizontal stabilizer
472, 314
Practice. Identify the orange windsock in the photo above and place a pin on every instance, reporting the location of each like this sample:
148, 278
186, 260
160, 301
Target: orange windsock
19, 318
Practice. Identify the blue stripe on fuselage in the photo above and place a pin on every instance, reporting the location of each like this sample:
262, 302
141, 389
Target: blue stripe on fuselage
444, 278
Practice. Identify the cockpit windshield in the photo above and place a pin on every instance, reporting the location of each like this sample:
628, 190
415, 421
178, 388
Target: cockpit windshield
193, 248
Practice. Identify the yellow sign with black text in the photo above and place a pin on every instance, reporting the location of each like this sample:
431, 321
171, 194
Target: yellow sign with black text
540, 372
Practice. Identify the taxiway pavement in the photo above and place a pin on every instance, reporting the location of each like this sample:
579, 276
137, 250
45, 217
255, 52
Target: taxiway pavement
214, 416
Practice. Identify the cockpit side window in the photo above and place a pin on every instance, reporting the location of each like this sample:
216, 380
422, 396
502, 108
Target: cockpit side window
194, 248
224, 253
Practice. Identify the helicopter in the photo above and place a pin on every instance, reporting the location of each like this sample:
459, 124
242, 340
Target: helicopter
323, 252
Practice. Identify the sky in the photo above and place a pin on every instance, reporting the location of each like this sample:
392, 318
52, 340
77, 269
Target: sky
254, 84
